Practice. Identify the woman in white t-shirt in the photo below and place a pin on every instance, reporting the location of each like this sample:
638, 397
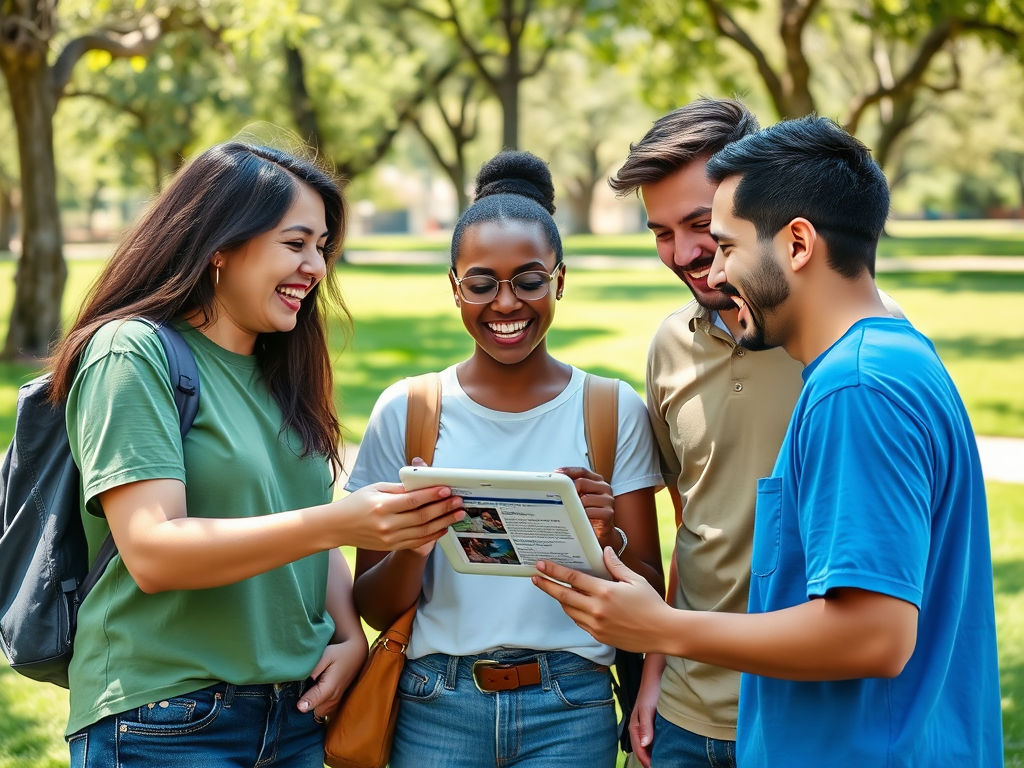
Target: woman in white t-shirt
510, 406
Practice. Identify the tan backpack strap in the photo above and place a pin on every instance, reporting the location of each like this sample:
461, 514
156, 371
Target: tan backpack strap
423, 418
601, 423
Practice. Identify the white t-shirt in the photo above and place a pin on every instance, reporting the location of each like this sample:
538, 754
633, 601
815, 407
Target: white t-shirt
465, 614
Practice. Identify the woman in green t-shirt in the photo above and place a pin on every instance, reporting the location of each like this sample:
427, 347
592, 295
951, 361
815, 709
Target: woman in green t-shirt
224, 631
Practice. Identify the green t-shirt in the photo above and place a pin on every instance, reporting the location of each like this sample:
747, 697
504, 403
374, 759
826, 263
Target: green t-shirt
132, 648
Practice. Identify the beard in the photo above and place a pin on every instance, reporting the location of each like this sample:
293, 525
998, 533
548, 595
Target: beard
766, 291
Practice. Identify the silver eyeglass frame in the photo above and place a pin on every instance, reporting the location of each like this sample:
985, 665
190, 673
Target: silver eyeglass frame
512, 286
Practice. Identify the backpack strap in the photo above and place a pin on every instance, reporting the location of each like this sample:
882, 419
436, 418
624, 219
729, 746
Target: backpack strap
601, 422
184, 376
423, 417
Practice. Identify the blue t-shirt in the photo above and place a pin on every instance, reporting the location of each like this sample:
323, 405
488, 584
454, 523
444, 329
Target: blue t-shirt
878, 486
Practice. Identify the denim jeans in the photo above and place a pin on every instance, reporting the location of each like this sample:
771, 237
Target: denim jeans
217, 727
445, 721
676, 747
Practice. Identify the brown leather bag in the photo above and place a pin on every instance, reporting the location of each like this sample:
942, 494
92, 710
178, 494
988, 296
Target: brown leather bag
359, 734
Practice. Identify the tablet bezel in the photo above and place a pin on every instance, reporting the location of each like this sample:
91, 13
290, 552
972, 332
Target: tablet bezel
549, 482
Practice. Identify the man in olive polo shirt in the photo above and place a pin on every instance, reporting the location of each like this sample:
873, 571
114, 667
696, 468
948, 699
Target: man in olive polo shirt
719, 413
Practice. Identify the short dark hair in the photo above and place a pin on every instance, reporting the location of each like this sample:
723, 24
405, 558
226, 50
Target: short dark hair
810, 168
512, 186
701, 128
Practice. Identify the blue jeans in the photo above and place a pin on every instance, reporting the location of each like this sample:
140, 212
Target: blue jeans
675, 747
444, 721
223, 726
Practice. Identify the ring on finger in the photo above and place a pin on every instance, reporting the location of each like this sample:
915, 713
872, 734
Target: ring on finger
319, 718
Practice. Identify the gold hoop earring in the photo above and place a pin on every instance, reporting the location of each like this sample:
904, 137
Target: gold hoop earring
216, 278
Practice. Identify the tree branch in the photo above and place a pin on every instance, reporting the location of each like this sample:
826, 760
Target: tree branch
933, 42
138, 42
727, 27
574, 14
475, 56
107, 99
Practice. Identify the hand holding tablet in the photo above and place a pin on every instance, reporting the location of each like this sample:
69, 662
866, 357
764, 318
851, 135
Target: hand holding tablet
513, 519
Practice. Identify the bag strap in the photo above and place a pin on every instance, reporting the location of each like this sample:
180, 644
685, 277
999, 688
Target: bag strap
423, 417
184, 375
601, 422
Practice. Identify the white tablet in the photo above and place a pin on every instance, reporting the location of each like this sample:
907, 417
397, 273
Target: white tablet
513, 519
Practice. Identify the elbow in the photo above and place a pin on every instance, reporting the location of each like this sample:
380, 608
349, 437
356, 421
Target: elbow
149, 578
150, 584
889, 656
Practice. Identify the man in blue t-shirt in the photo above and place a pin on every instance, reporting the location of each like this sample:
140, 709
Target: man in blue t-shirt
870, 639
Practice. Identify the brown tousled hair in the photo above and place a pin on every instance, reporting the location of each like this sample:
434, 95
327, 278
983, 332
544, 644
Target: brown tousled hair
219, 201
699, 129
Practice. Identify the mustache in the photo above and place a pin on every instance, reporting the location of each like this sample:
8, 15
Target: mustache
728, 289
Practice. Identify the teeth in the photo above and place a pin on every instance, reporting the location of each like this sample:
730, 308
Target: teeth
295, 293
700, 273
508, 329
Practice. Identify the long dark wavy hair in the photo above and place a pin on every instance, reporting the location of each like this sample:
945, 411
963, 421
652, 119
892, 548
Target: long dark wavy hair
219, 201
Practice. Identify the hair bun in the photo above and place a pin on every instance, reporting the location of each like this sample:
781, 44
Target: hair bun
512, 172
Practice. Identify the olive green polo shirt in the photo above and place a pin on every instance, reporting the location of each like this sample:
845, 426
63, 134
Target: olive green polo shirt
719, 413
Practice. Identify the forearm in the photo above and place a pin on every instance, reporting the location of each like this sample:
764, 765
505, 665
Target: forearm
649, 568
339, 603
636, 514
164, 549
382, 592
836, 638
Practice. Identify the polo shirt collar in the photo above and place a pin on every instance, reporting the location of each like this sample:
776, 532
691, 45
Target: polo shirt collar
703, 320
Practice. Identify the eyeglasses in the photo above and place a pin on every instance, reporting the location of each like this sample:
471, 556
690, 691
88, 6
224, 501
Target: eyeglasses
527, 286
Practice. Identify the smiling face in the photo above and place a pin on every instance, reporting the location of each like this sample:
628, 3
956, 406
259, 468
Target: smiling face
262, 284
747, 271
508, 328
679, 213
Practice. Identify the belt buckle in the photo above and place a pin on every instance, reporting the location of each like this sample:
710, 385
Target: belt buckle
484, 664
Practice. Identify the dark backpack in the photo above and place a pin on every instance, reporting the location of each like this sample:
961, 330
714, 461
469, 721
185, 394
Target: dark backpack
44, 558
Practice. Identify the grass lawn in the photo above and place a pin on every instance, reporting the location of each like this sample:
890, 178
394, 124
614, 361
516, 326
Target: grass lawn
905, 238
406, 323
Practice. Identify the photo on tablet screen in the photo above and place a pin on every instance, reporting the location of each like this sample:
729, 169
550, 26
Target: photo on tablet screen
481, 549
480, 520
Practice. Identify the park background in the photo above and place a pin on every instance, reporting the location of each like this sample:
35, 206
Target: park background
100, 102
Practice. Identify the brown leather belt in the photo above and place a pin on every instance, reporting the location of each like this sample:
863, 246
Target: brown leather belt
493, 676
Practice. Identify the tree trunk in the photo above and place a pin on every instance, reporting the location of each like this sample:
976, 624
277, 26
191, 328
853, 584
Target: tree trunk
508, 94
6, 219
580, 198
41, 274
300, 101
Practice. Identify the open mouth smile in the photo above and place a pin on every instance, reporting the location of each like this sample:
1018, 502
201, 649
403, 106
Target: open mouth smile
292, 295
510, 330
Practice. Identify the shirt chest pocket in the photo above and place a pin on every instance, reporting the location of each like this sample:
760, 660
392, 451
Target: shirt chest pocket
767, 526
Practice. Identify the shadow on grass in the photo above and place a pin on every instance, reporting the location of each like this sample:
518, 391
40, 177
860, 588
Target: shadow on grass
975, 348
955, 282
1008, 576
654, 291
951, 246
26, 741
1011, 684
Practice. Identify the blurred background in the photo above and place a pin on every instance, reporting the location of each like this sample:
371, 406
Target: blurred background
100, 103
